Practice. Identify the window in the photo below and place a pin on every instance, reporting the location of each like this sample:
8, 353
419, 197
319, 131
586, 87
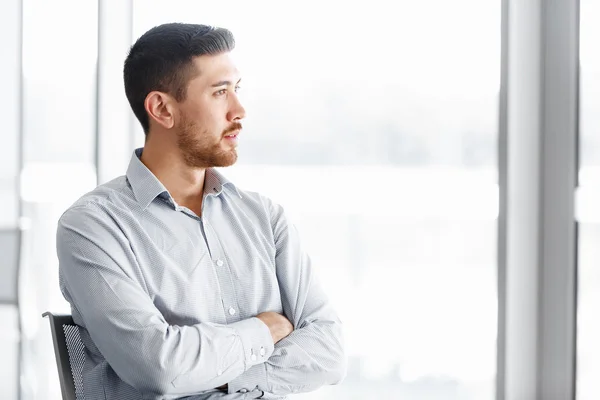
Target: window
588, 212
375, 125
59, 92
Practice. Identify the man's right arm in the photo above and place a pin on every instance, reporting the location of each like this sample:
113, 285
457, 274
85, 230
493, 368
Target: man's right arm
158, 359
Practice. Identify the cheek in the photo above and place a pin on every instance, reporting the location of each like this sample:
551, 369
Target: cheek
206, 115
213, 122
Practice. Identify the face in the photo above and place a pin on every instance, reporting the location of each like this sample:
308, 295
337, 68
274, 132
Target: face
209, 119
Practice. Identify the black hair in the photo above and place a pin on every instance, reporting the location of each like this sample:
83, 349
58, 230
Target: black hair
162, 59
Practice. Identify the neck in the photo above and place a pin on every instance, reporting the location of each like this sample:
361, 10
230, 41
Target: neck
184, 183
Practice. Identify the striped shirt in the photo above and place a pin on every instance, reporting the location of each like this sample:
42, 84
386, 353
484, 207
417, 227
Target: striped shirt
166, 301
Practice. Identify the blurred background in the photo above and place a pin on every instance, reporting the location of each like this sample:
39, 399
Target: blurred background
374, 123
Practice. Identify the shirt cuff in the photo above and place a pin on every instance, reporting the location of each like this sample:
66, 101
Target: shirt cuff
258, 346
256, 341
253, 379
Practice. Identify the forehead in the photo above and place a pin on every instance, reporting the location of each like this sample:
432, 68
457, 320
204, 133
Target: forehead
214, 68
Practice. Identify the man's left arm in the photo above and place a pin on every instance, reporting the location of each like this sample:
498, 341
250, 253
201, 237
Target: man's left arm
313, 354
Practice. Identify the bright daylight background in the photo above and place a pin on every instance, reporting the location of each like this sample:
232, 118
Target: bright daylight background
373, 123
588, 210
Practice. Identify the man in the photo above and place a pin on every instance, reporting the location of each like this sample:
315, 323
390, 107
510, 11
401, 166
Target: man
183, 284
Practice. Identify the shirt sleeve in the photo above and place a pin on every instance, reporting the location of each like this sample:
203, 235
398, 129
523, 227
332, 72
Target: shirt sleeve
98, 271
313, 354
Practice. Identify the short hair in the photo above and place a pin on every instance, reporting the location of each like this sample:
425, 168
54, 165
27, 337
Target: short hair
162, 59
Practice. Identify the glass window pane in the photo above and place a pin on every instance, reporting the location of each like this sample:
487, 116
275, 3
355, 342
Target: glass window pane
10, 70
59, 80
588, 212
375, 125
59, 121
10, 26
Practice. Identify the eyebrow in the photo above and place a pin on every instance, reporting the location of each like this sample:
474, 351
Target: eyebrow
225, 83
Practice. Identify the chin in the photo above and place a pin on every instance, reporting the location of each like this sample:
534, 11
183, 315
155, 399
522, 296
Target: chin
227, 160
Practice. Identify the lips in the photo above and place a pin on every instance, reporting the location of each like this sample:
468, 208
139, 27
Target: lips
233, 134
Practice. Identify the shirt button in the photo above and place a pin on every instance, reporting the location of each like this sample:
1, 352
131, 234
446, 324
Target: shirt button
262, 351
253, 357
231, 311
243, 390
219, 372
219, 263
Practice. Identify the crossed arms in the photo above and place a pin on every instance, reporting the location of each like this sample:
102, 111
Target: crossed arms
299, 351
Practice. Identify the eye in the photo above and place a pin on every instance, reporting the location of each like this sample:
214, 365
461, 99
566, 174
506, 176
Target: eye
221, 92
238, 88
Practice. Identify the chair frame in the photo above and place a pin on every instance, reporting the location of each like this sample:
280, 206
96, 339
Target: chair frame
61, 353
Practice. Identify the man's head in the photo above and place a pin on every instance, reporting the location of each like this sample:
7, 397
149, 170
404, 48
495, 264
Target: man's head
182, 85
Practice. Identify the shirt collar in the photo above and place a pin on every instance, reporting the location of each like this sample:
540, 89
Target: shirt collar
146, 187
215, 182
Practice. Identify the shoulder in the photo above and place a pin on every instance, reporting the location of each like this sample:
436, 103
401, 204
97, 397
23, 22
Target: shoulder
258, 202
96, 203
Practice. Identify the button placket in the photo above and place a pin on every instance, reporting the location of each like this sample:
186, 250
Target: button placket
228, 296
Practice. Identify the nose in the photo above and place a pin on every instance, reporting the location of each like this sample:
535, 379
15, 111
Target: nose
236, 111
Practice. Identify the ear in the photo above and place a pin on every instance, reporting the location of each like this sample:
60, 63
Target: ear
159, 107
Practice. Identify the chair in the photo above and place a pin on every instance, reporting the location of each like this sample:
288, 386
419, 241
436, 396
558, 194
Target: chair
69, 353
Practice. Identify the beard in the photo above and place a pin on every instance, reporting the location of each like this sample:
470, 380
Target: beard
200, 149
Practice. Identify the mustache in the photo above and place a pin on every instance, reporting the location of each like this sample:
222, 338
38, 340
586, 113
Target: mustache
236, 126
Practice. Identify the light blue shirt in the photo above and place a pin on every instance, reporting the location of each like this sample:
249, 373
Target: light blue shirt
167, 301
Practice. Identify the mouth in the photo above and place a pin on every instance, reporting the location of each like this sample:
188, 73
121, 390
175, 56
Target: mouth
232, 135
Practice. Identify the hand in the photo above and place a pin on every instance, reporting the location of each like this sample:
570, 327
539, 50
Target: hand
279, 325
